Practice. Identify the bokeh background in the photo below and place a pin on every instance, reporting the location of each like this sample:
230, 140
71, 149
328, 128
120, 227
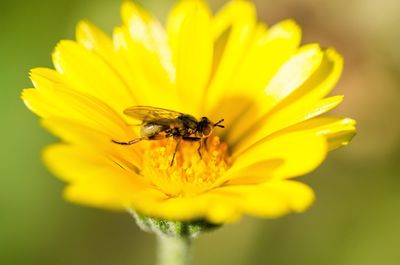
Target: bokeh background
355, 220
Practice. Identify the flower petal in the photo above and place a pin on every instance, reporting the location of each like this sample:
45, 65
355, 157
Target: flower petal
299, 68
227, 204
304, 103
86, 72
72, 163
271, 199
338, 130
284, 119
319, 84
233, 28
41, 104
95, 40
212, 207
284, 156
81, 135
143, 45
113, 195
52, 98
192, 45
245, 91
94, 179
274, 46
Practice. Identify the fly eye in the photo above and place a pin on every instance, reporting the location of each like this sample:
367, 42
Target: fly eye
207, 130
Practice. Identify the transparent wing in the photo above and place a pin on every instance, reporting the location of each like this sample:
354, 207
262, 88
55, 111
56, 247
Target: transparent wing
147, 113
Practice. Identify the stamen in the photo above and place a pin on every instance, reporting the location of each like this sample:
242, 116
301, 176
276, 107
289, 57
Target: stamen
190, 174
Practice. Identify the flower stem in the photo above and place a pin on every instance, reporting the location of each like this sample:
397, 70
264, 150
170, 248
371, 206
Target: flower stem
173, 250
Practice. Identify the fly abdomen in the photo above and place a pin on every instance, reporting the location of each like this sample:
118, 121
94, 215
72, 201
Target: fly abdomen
151, 129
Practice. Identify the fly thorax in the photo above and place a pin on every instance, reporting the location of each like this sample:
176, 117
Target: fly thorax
188, 121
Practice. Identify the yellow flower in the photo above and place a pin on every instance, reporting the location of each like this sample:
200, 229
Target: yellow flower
268, 88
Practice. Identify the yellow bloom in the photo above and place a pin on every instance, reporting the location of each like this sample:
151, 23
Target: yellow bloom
269, 90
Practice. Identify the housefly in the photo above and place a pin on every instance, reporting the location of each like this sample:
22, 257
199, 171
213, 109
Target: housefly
158, 123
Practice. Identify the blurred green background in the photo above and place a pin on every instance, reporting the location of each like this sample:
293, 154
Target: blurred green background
355, 220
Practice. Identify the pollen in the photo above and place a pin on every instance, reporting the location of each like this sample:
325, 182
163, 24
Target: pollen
191, 173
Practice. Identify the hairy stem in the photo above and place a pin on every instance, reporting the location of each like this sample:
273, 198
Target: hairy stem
173, 250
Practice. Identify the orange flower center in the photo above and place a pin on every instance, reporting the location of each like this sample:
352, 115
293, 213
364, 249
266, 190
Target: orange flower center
190, 173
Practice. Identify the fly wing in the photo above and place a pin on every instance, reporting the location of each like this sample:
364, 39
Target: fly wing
147, 113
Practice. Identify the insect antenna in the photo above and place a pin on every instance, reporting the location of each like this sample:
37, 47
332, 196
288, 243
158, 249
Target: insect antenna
218, 124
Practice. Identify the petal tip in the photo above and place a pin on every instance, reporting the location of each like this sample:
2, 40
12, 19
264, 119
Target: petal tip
333, 55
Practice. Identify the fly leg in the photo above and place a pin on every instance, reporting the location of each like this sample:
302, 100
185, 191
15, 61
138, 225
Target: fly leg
205, 144
176, 150
195, 139
134, 141
199, 148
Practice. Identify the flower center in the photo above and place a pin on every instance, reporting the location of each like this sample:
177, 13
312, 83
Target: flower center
189, 173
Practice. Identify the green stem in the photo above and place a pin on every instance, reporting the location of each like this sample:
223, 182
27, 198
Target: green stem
173, 250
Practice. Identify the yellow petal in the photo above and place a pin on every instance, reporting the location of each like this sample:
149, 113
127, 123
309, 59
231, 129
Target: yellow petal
142, 43
271, 199
53, 99
234, 12
284, 156
77, 133
150, 81
110, 193
46, 79
95, 40
253, 174
35, 101
229, 203
318, 85
147, 32
42, 104
139, 22
266, 55
72, 163
305, 103
192, 45
284, 119
86, 72
213, 207
234, 27
106, 196
95, 179
338, 130
340, 139
245, 93
299, 68
177, 16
